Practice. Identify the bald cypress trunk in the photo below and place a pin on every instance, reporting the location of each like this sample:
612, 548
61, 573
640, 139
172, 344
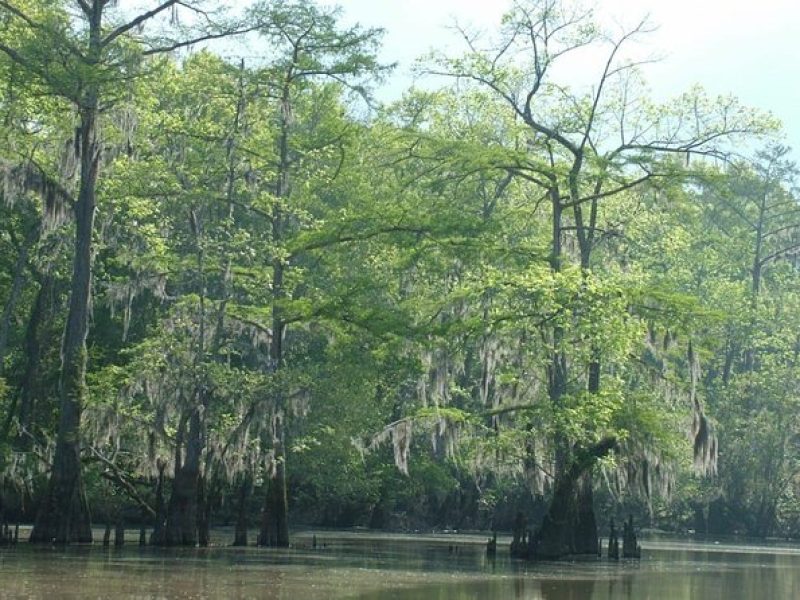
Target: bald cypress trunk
275, 518
63, 514
181, 527
158, 537
240, 538
31, 380
275, 522
570, 527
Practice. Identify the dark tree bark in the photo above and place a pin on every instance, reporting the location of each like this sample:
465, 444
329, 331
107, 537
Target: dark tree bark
31, 380
569, 527
63, 514
23, 405
203, 512
187, 518
159, 535
275, 522
240, 537
181, 528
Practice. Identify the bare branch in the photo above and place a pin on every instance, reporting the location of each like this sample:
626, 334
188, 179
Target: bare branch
781, 230
84, 7
779, 253
115, 474
621, 188
146, 16
197, 40
358, 237
607, 73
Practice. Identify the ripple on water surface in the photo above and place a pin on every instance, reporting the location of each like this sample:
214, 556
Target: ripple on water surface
399, 567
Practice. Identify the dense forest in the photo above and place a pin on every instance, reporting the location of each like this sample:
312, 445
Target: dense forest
240, 291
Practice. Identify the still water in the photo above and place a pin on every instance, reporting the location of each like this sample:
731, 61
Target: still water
382, 567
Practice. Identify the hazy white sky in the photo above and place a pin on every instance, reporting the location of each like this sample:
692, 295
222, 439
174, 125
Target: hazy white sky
748, 48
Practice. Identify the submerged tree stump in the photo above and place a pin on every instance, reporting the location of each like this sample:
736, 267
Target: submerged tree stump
569, 528
491, 545
613, 542
630, 546
240, 536
519, 542
158, 537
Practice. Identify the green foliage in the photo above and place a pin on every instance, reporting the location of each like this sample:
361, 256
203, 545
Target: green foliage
475, 289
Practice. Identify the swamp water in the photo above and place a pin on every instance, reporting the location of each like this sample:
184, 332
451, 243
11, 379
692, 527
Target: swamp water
398, 567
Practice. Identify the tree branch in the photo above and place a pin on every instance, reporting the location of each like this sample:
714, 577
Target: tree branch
118, 477
777, 254
359, 237
202, 38
146, 16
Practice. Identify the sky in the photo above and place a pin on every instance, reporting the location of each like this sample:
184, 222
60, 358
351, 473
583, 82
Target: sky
747, 48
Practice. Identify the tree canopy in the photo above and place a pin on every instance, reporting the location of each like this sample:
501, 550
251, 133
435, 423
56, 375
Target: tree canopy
240, 290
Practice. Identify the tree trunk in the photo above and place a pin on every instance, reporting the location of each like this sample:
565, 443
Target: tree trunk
275, 521
181, 528
569, 527
159, 535
274, 524
203, 513
33, 385
240, 537
186, 517
31, 380
63, 514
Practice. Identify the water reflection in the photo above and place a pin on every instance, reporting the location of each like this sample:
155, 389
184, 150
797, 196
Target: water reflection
397, 567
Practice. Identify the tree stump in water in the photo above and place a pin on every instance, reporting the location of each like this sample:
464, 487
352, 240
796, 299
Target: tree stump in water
158, 537
203, 513
613, 542
533, 545
630, 546
491, 545
240, 536
569, 528
519, 542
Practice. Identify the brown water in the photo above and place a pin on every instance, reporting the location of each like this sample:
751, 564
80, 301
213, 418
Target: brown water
381, 567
